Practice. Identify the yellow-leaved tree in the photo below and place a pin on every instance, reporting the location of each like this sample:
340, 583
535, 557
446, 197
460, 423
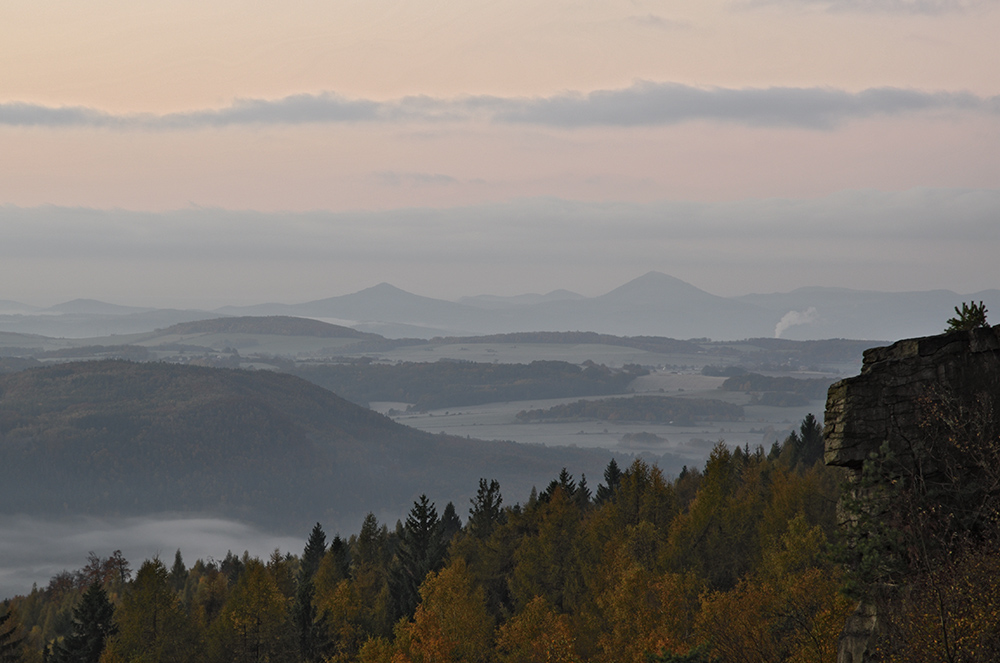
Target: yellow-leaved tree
451, 622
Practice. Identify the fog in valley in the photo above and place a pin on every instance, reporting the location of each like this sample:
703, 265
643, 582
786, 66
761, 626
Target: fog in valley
33, 550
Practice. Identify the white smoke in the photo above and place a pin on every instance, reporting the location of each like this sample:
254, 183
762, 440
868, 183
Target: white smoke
793, 318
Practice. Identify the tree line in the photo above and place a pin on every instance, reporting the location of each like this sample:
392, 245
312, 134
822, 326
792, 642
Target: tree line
723, 563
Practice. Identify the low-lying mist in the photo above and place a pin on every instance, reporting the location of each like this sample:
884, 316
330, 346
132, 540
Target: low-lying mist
32, 550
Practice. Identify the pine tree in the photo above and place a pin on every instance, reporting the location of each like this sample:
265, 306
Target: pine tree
341, 556
93, 624
970, 316
582, 494
314, 551
811, 434
9, 643
487, 510
612, 481
564, 482
178, 572
304, 612
420, 552
804, 447
449, 525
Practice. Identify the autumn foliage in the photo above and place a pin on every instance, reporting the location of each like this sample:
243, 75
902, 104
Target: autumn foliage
728, 563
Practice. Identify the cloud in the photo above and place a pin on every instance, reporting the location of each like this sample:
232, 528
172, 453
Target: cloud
294, 109
19, 114
648, 104
643, 104
658, 22
926, 7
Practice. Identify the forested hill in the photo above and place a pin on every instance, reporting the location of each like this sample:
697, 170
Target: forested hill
650, 343
122, 438
459, 383
278, 325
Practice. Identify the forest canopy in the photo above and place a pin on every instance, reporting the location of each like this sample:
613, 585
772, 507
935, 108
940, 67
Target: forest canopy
704, 566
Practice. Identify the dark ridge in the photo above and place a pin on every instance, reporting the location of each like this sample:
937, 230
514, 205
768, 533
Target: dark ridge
117, 438
649, 343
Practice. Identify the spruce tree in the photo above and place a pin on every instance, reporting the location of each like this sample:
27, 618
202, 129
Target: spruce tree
582, 494
304, 612
449, 525
93, 624
420, 551
9, 643
811, 435
314, 551
487, 510
341, 555
178, 573
612, 481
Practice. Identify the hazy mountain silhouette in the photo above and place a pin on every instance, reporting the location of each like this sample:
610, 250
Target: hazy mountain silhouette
654, 304
90, 325
96, 307
9, 307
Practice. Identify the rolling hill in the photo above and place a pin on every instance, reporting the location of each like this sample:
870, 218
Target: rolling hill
116, 438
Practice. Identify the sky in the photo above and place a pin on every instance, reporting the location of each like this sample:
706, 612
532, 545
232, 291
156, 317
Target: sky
219, 152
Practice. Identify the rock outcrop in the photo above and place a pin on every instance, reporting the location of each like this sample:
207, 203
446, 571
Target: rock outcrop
890, 400
898, 399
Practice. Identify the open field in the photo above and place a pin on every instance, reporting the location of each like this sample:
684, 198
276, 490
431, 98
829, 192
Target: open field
683, 445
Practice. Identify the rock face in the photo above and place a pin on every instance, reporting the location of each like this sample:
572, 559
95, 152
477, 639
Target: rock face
900, 390
890, 399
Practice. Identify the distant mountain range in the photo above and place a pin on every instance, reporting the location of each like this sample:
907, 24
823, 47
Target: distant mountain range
654, 304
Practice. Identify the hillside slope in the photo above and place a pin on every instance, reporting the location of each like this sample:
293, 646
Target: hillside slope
116, 438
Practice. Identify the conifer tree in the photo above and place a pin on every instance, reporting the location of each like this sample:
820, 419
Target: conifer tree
420, 552
449, 525
314, 551
9, 643
310, 629
304, 612
341, 557
970, 316
93, 624
582, 494
487, 510
612, 480
178, 572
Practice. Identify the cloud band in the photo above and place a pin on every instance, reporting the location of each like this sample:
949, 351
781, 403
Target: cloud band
643, 104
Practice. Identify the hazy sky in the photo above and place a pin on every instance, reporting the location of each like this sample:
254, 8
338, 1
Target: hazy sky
456, 147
